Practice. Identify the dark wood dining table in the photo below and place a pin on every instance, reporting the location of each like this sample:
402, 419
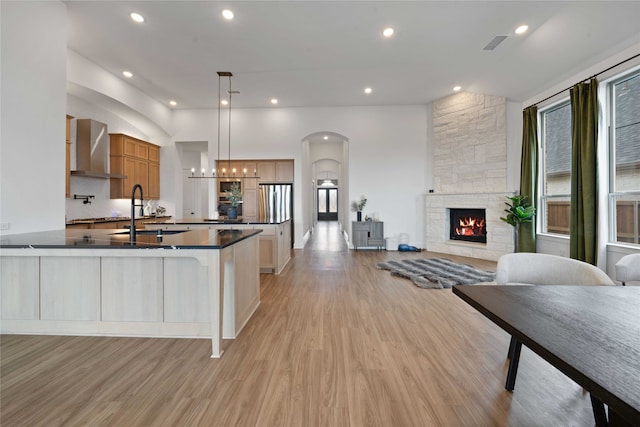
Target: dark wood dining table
590, 333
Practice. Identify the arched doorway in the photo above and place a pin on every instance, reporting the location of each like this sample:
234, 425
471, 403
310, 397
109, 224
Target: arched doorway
326, 158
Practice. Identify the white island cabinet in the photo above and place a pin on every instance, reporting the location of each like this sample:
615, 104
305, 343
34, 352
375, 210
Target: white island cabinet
198, 284
275, 239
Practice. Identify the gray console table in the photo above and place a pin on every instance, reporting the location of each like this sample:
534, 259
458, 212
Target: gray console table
367, 234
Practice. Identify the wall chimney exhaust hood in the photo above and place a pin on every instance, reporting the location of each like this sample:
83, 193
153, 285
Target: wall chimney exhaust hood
92, 150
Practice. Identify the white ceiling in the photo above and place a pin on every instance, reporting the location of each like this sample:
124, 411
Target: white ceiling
323, 53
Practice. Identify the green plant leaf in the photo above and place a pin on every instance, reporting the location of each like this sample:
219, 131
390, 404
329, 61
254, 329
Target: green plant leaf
518, 211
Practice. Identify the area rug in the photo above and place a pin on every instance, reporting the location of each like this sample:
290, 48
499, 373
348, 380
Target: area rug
436, 273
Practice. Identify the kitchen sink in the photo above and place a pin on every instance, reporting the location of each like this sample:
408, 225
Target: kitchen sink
153, 232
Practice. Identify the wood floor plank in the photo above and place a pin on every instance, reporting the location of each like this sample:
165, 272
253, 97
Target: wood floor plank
335, 342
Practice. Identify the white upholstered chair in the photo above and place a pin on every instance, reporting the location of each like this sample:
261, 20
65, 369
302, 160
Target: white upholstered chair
524, 268
542, 269
628, 269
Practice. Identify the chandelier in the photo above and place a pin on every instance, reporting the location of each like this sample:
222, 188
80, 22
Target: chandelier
223, 173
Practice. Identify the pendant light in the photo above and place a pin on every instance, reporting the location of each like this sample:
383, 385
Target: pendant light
217, 174
223, 171
230, 92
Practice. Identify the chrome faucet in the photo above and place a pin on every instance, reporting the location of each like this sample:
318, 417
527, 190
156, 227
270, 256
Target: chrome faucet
132, 230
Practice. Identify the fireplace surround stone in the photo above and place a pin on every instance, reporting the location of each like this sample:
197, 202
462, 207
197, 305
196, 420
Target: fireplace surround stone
499, 233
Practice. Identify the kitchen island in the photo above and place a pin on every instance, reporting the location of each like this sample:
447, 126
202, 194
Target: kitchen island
113, 222
275, 239
191, 284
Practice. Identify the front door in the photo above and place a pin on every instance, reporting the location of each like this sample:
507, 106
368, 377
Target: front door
327, 204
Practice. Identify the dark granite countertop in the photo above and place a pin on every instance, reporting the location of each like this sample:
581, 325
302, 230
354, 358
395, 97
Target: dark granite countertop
112, 219
207, 221
116, 239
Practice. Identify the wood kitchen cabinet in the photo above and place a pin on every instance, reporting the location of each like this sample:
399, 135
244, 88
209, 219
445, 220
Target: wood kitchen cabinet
142, 150
122, 165
267, 171
154, 153
139, 161
224, 168
275, 247
284, 171
154, 181
79, 226
250, 182
250, 204
275, 171
142, 176
104, 225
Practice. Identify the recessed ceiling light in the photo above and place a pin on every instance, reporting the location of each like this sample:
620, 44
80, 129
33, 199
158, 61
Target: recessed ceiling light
224, 102
137, 17
457, 88
388, 32
173, 103
127, 74
368, 90
227, 14
522, 29
274, 101
326, 137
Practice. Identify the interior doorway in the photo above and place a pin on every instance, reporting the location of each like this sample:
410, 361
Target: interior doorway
327, 204
189, 199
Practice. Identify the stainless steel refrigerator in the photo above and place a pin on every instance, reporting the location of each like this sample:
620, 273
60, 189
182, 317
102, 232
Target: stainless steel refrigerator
275, 202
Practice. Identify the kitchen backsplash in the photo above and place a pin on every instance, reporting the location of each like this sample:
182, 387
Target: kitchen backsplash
101, 204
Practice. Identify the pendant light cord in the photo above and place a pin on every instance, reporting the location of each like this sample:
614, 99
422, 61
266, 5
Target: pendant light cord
218, 145
230, 96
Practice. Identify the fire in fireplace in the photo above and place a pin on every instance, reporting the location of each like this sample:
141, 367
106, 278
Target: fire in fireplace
468, 225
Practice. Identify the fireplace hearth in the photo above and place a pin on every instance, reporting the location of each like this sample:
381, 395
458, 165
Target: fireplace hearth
468, 225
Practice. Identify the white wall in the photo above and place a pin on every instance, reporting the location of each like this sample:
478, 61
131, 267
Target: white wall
387, 152
89, 81
33, 107
514, 145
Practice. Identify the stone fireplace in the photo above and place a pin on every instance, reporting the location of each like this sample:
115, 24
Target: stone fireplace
499, 234
475, 181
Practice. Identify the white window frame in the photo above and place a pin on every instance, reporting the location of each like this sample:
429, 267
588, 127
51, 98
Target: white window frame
612, 193
543, 196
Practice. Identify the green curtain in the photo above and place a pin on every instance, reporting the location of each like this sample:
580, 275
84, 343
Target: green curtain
529, 175
584, 179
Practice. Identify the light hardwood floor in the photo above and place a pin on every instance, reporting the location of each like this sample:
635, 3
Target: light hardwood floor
335, 342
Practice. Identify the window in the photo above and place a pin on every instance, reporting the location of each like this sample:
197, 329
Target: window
624, 194
556, 145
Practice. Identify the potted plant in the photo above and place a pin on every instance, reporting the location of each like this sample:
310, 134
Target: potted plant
234, 196
518, 211
359, 206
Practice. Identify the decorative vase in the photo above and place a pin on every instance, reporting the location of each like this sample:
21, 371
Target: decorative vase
232, 212
359, 213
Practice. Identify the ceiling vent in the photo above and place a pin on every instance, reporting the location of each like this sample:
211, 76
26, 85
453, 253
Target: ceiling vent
494, 43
